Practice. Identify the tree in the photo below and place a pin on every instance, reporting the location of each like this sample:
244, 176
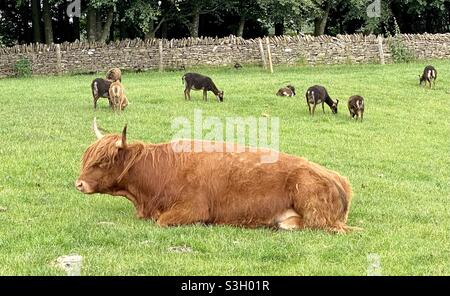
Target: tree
193, 9
36, 20
100, 14
284, 13
48, 30
26, 21
321, 16
245, 10
415, 16
15, 19
147, 16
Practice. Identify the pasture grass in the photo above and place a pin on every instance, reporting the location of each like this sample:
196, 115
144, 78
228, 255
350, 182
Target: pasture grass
397, 161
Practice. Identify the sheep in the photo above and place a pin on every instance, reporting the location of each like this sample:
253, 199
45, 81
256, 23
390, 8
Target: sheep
100, 89
317, 94
197, 81
429, 75
356, 107
114, 74
288, 91
117, 96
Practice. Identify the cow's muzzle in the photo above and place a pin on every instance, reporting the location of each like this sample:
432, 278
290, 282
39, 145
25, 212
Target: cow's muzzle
82, 186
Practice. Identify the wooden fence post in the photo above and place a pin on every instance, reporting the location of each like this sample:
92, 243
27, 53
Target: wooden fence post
58, 59
269, 53
161, 65
380, 49
263, 57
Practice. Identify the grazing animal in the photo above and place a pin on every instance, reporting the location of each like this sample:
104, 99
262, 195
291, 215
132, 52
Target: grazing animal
100, 89
288, 91
114, 74
197, 81
429, 75
123, 103
317, 94
174, 186
237, 66
117, 96
356, 107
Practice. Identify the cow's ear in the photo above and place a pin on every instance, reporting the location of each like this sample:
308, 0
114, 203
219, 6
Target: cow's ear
122, 143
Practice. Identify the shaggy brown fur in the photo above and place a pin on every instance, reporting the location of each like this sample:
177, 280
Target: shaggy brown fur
178, 188
114, 74
117, 96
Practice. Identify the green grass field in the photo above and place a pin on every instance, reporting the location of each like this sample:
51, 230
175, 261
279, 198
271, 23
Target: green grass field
397, 161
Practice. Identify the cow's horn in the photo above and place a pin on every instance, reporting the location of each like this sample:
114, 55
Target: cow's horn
97, 132
122, 143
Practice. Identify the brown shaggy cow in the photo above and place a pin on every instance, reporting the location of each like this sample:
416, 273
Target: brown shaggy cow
180, 188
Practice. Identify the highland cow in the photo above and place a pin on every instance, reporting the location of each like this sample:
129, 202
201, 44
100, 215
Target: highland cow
229, 188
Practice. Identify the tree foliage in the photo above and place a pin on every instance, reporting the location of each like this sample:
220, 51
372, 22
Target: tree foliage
26, 21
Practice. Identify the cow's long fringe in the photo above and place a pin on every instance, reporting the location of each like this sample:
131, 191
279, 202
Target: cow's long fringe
106, 153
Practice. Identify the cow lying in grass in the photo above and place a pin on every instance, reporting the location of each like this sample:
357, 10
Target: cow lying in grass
233, 188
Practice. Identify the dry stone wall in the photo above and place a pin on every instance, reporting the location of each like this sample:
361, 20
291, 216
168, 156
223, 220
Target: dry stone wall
81, 57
